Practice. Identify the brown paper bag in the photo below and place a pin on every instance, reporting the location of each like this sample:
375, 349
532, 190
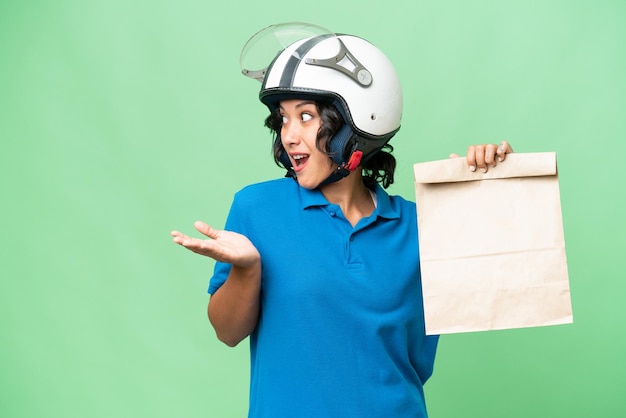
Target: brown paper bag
492, 250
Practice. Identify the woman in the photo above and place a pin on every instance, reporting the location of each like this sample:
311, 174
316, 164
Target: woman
321, 268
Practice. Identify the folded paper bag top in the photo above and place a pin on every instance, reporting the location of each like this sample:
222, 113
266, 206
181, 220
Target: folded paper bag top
515, 165
492, 250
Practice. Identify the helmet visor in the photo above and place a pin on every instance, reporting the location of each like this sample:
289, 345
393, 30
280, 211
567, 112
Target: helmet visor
261, 49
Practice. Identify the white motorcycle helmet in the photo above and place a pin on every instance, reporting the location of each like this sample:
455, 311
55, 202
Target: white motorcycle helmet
347, 71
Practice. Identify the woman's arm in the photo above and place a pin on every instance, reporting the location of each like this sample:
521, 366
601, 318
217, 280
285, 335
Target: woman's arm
234, 308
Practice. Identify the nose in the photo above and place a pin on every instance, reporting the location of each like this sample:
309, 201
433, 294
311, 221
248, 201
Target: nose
290, 134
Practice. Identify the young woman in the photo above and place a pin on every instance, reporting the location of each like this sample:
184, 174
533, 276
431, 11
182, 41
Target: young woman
321, 268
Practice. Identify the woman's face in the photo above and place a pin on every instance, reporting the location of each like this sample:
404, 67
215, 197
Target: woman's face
298, 133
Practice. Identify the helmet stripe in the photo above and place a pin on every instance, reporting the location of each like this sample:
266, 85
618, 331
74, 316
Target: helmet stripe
286, 79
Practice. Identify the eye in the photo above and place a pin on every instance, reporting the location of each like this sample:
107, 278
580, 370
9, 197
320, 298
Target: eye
283, 119
306, 117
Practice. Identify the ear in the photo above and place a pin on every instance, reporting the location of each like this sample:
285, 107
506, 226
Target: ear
341, 144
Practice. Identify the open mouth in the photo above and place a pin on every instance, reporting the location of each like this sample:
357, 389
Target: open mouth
299, 161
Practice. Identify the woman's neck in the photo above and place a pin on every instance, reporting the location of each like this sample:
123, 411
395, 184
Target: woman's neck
352, 196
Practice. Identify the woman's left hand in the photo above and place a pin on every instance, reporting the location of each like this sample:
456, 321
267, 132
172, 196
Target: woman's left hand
484, 156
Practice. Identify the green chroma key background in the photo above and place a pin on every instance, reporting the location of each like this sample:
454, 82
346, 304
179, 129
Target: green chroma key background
120, 121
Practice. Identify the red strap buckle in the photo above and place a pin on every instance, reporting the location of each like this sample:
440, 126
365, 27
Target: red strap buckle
355, 160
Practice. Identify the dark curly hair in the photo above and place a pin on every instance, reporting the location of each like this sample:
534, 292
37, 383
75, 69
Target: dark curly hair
379, 168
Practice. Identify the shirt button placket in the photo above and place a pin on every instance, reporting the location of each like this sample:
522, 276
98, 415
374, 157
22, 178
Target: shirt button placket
349, 240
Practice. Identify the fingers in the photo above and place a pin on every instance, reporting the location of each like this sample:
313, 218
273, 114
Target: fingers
194, 243
503, 149
209, 248
484, 156
178, 237
199, 246
471, 157
481, 157
224, 246
205, 229
184, 240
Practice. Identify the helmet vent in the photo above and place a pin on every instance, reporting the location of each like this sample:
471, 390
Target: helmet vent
346, 63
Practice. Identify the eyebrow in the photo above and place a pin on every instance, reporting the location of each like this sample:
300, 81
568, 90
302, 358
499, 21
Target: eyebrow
302, 103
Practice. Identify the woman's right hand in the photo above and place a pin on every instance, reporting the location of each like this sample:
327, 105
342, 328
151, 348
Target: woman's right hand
484, 156
225, 246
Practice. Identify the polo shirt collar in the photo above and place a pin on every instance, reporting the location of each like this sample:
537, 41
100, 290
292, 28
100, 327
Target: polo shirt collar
384, 209
309, 198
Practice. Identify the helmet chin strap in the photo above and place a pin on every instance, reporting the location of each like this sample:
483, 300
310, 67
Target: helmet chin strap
345, 169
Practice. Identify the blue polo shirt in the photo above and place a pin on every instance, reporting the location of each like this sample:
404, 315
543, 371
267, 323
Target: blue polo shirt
341, 330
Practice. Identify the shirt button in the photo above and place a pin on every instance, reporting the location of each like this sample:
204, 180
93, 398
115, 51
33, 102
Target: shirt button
332, 213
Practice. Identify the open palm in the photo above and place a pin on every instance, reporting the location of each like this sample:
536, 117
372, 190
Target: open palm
226, 246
